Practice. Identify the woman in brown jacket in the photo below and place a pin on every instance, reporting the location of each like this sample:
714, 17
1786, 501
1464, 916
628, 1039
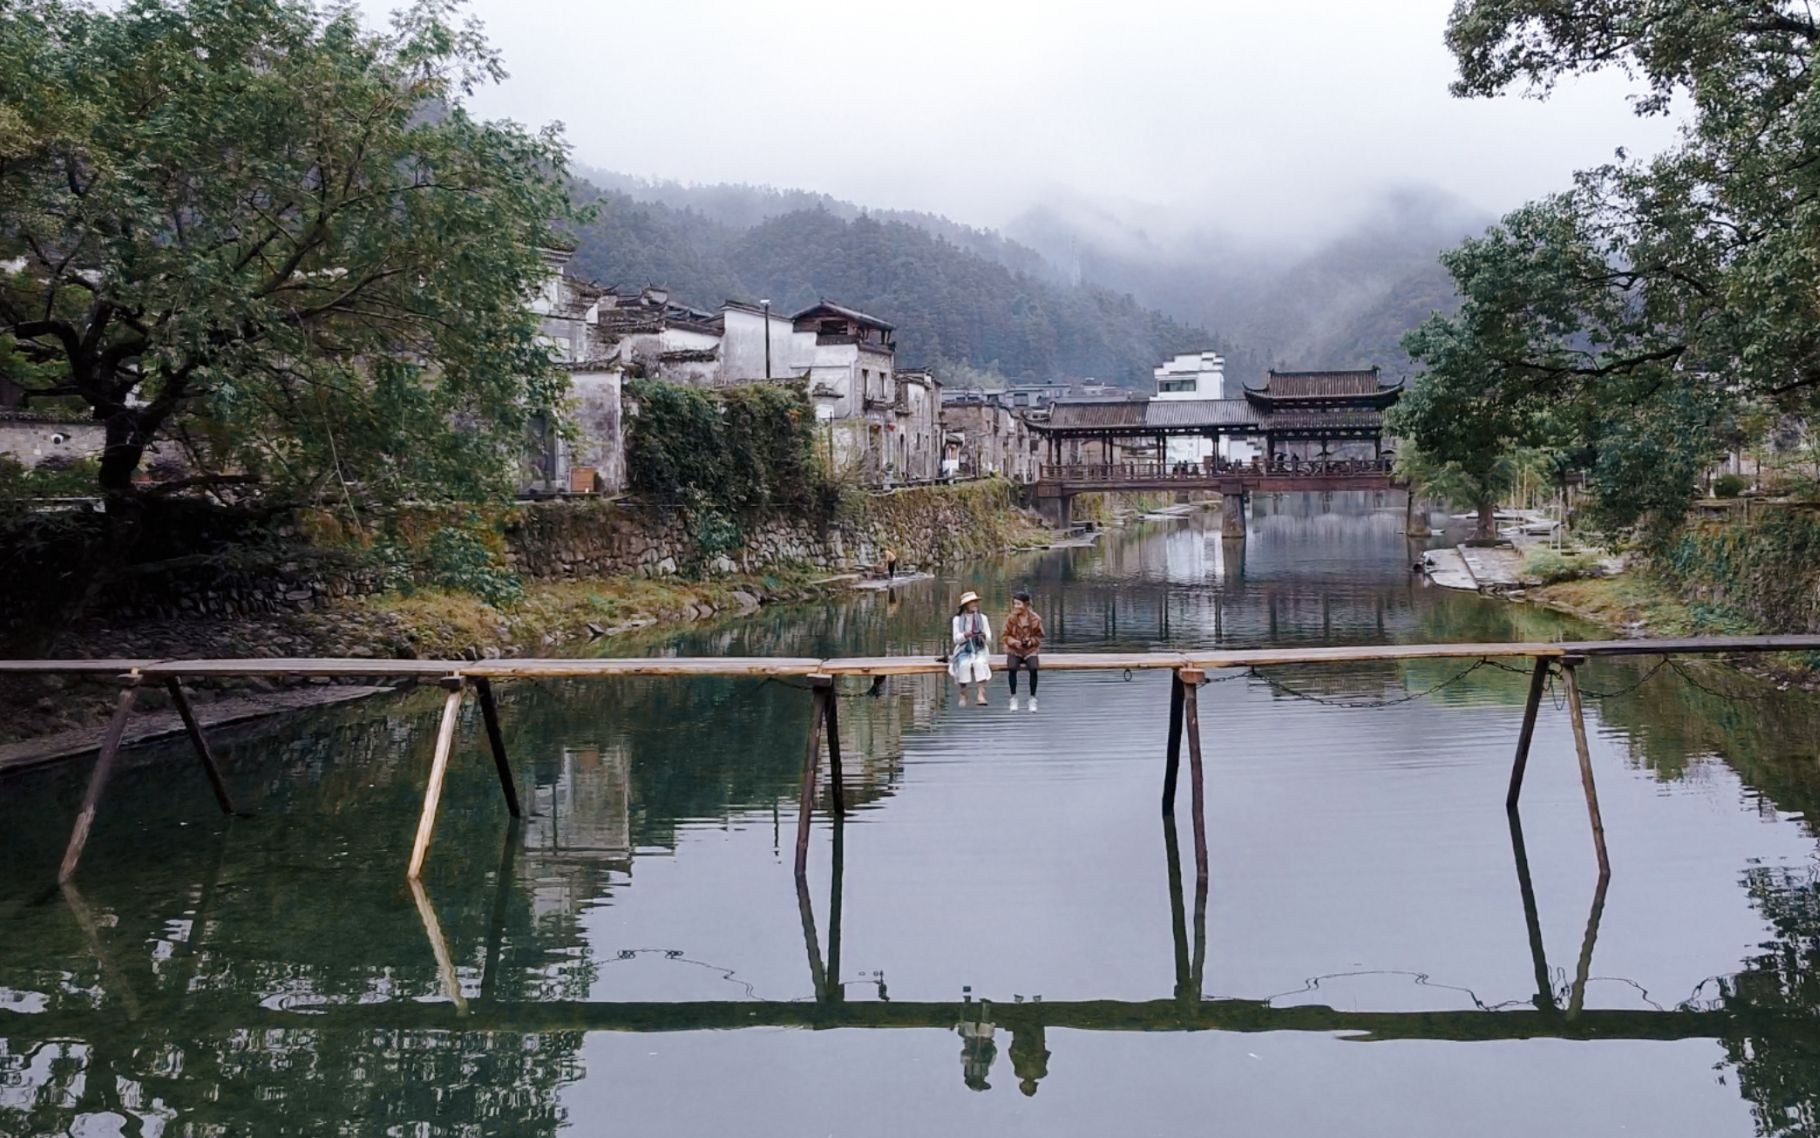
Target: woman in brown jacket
1022, 639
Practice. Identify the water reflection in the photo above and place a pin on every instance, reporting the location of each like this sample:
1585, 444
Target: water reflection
276, 975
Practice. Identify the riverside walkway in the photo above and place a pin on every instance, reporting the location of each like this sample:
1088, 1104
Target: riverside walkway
1189, 670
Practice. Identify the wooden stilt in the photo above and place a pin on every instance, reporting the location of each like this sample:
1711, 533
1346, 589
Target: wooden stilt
1178, 909
1191, 718
1172, 759
1569, 664
97, 780
1576, 997
489, 712
823, 687
1538, 680
216, 782
1545, 994
837, 791
439, 767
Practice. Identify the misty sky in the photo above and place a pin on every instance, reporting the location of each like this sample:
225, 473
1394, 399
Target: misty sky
1239, 114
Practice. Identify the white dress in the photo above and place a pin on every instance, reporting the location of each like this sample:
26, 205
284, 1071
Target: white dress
966, 665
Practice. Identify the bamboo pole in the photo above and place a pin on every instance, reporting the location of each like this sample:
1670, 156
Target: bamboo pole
439, 767
837, 790
97, 779
1577, 715
200, 743
818, 716
496, 740
1538, 680
1172, 759
1191, 716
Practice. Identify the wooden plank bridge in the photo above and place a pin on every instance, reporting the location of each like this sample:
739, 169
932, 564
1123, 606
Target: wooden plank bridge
1189, 670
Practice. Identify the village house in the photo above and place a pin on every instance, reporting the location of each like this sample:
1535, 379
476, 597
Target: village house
986, 438
1193, 376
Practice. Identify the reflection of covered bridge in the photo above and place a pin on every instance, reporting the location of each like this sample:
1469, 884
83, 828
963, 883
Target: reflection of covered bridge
1319, 430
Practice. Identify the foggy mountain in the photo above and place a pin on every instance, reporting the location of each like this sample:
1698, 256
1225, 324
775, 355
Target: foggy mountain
1063, 292
1341, 300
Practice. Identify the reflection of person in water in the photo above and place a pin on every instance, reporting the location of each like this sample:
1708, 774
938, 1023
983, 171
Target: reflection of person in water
977, 1053
1029, 1057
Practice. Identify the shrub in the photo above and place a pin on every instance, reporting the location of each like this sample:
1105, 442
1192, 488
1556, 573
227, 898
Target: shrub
1551, 567
1730, 485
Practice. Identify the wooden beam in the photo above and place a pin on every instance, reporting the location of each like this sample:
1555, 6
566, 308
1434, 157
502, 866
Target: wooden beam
201, 744
1577, 716
97, 779
1191, 715
823, 687
496, 741
837, 791
439, 768
1172, 755
1538, 680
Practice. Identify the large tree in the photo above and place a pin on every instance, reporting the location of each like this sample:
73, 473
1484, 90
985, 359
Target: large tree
1642, 307
275, 240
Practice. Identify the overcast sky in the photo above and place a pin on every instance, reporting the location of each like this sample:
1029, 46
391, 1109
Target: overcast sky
1247, 114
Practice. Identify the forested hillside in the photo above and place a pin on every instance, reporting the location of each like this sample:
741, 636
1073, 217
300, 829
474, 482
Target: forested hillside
951, 304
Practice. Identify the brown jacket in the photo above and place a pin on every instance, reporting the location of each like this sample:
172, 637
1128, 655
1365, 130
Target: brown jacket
1023, 633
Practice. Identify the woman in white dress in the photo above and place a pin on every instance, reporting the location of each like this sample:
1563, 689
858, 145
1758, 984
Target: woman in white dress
967, 661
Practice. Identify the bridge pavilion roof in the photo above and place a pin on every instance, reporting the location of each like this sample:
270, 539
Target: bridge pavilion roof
1359, 388
1130, 418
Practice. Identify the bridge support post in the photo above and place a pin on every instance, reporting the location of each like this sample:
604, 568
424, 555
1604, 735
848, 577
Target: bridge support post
1232, 513
823, 687
1190, 679
439, 769
97, 780
1569, 665
1173, 755
1537, 681
198, 741
489, 711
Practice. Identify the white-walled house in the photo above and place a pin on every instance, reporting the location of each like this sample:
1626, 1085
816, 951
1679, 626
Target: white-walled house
1195, 376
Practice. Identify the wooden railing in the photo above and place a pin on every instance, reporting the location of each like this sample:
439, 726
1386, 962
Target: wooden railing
1205, 472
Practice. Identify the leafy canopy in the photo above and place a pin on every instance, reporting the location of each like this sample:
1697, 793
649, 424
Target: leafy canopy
275, 240
1632, 318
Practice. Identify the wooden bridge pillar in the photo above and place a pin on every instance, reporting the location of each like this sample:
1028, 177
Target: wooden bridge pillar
97, 779
820, 716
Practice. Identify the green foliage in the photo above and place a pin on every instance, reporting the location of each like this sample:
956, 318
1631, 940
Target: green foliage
1551, 567
459, 559
1637, 317
726, 453
277, 237
47, 479
1764, 574
1730, 485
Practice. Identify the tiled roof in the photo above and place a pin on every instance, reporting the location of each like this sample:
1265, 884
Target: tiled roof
849, 313
1321, 384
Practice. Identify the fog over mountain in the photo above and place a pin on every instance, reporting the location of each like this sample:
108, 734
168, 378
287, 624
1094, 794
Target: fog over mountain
1342, 298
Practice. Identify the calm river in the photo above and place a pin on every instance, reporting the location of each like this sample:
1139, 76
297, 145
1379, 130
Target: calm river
1005, 950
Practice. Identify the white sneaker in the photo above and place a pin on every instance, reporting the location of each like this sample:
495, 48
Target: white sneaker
1013, 704
1032, 703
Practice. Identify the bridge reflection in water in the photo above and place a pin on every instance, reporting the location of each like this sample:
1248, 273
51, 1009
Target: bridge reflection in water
1555, 1010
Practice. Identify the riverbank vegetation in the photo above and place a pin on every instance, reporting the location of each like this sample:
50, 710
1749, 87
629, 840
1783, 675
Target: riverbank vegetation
336, 311
1639, 326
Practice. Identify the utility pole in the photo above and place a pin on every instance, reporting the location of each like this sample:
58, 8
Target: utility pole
766, 305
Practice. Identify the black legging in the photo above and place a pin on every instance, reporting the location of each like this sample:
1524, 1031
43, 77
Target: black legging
1013, 662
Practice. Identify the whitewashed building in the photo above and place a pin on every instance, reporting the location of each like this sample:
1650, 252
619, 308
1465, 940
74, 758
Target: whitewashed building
1192, 376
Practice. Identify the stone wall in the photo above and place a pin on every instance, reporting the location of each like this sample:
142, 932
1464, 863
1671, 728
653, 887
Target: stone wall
202, 569
925, 525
